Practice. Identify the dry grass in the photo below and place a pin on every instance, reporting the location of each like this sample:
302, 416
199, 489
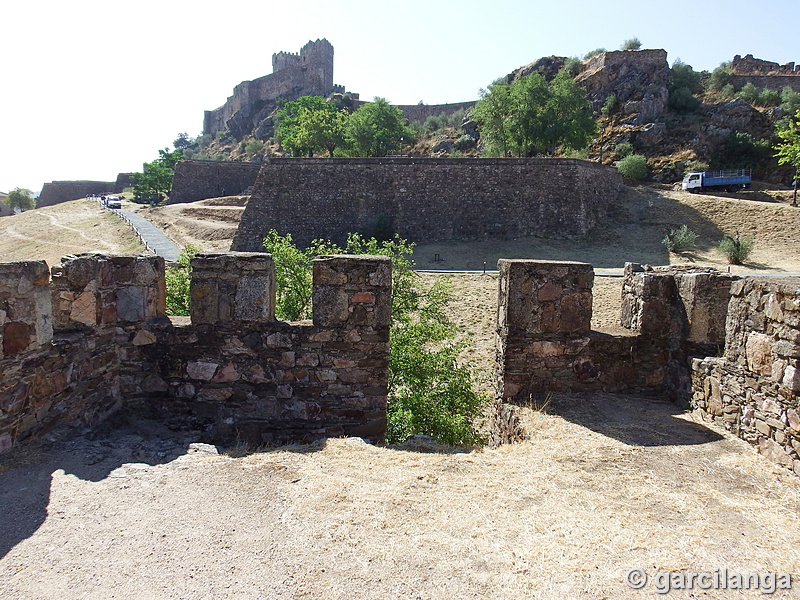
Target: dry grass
68, 228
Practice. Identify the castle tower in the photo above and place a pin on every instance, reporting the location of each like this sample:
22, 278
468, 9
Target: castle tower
316, 60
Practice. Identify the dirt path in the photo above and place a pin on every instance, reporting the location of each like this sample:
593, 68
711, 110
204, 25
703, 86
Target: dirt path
605, 484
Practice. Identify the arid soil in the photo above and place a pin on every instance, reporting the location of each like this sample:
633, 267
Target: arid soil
69, 228
603, 484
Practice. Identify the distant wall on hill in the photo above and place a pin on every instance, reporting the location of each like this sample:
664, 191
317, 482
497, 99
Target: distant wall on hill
200, 179
57, 192
426, 200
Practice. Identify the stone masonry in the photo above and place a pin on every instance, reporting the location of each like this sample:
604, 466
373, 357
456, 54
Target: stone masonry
426, 200
96, 340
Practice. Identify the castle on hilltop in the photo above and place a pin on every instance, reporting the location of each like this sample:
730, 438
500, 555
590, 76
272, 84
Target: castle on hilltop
309, 72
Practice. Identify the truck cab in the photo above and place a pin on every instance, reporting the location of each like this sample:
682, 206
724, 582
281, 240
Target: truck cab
692, 181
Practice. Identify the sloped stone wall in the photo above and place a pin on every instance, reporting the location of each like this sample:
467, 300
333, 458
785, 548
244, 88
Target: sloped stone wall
200, 179
426, 200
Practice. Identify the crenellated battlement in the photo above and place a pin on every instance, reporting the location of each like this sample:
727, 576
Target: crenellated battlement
95, 339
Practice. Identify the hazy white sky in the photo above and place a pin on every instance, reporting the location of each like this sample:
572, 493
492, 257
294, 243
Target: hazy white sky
92, 88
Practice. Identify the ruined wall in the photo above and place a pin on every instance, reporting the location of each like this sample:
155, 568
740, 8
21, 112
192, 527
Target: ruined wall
545, 343
60, 345
764, 74
200, 179
96, 339
426, 200
753, 389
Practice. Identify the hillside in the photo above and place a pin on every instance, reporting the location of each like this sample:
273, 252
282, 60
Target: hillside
68, 228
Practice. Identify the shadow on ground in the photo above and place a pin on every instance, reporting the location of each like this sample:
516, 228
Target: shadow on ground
26, 473
631, 419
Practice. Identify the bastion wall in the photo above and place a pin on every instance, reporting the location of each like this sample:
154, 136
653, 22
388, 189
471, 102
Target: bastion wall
200, 179
426, 200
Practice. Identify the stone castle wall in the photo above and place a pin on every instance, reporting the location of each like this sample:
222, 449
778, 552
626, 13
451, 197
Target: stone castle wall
420, 112
426, 200
95, 340
200, 179
308, 73
57, 192
764, 74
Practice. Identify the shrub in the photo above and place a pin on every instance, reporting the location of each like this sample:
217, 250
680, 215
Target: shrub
682, 101
430, 392
720, 77
253, 147
465, 142
624, 149
736, 248
680, 240
177, 281
631, 44
594, 52
609, 105
633, 166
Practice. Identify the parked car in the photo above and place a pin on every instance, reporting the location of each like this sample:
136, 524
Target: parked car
113, 202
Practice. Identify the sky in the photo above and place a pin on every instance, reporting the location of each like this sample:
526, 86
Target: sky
94, 88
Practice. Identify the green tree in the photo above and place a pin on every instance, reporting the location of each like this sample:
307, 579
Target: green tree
155, 180
183, 141
177, 281
633, 166
788, 149
310, 124
20, 198
376, 129
430, 392
531, 116
720, 77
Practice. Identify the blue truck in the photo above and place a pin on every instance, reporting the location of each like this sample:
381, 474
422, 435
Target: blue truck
717, 180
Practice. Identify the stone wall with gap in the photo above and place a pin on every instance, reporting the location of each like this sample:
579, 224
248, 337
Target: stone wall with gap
95, 340
753, 388
426, 200
545, 342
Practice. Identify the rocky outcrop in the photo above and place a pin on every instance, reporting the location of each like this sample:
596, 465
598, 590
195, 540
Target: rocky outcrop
638, 78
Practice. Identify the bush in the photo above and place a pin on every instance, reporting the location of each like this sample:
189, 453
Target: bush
720, 77
177, 281
624, 149
680, 240
736, 248
695, 166
631, 44
682, 101
465, 142
430, 392
633, 166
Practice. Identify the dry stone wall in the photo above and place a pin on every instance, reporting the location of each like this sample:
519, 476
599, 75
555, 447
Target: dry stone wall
426, 200
754, 387
95, 340
57, 192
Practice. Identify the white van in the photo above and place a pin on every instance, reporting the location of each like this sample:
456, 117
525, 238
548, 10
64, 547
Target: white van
113, 202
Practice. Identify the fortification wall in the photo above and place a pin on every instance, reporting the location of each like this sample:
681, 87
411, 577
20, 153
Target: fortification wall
5, 211
753, 389
200, 179
426, 200
773, 82
64, 191
95, 340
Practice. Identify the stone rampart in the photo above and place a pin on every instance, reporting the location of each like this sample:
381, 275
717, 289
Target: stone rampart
753, 389
57, 192
200, 179
96, 340
426, 200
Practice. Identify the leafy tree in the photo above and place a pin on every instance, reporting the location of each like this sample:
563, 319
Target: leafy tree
156, 177
684, 83
310, 124
631, 44
788, 149
720, 77
183, 141
531, 116
430, 392
20, 198
376, 129
741, 151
